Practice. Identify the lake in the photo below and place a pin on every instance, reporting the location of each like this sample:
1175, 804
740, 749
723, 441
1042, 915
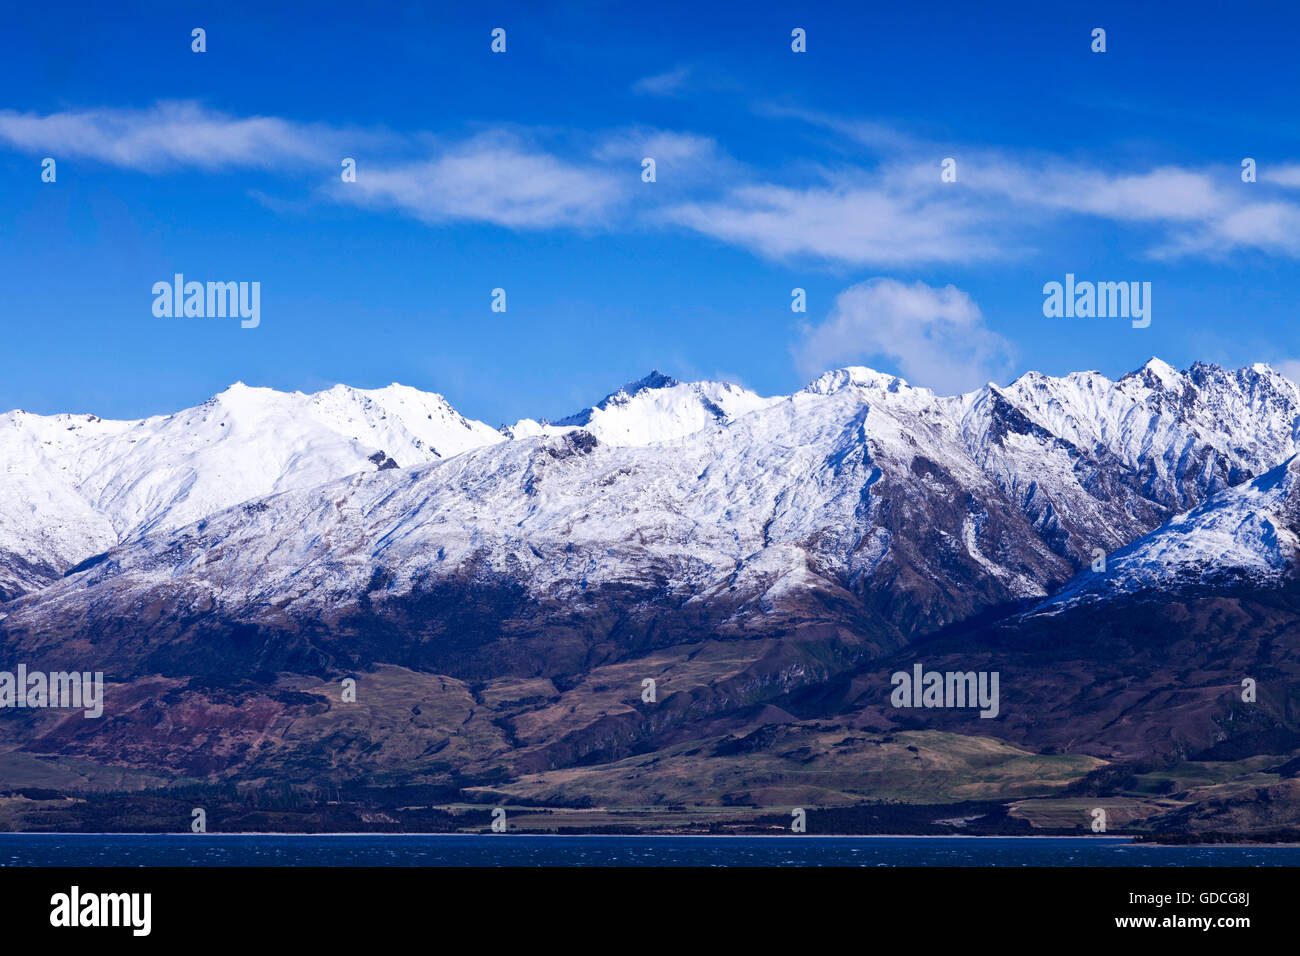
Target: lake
25, 849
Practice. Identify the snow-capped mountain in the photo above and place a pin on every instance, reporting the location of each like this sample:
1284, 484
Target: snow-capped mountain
76, 485
859, 498
654, 409
501, 598
1247, 534
1188, 434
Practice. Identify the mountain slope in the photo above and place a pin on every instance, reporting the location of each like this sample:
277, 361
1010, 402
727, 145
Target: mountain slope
827, 494
859, 492
770, 565
77, 485
1247, 534
653, 409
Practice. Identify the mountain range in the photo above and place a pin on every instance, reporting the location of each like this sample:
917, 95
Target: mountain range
1121, 552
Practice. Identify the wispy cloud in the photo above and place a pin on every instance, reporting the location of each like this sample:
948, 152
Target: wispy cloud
665, 145
169, 135
491, 178
936, 337
898, 212
842, 222
1002, 203
883, 206
685, 163
1197, 212
1287, 175
494, 177
1290, 368
663, 84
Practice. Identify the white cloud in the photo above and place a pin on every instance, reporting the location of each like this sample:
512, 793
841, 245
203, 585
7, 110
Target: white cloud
1290, 368
1267, 226
899, 213
168, 135
664, 145
1010, 200
663, 84
1164, 194
685, 163
892, 212
491, 178
1199, 212
935, 337
852, 224
1286, 175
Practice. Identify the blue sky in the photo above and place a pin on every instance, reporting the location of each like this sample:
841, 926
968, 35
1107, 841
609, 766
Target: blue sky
522, 170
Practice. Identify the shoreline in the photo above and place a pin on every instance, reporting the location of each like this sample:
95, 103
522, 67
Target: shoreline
618, 836
1116, 840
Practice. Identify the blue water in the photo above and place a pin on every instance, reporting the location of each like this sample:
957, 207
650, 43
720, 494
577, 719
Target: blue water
509, 850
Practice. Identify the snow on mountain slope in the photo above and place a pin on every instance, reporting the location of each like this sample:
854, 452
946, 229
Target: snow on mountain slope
45, 526
814, 492
78, 484
411, 425
247, 442
858, 484
1190, 434
1250, 533
653, 409
856, 376
859, 488
1094, 463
